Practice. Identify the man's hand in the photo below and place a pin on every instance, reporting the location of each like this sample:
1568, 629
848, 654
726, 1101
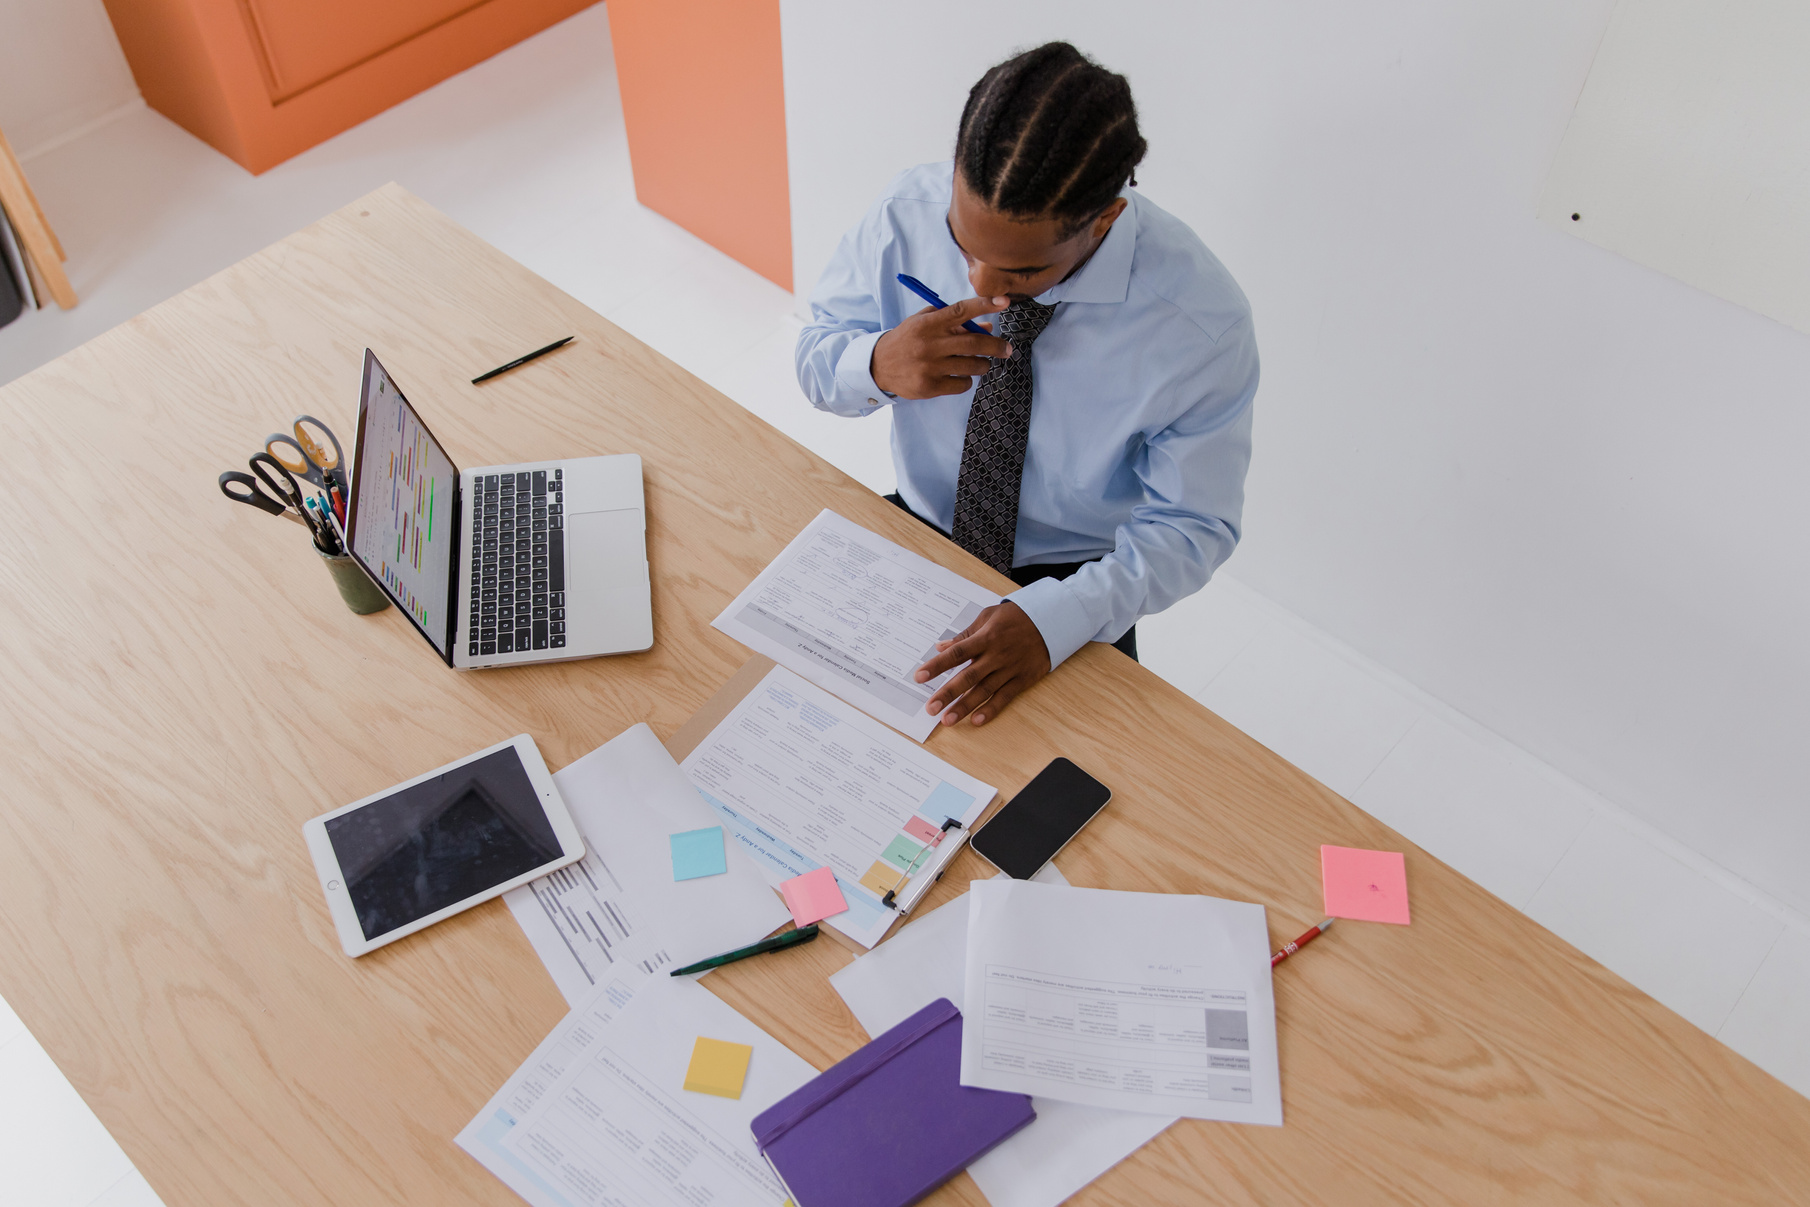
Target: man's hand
1005, 655
929, 354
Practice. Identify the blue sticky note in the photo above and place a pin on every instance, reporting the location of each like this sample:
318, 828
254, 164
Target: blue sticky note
698, 853
945, 801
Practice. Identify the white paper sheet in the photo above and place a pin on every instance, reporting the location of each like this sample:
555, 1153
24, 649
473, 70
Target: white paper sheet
1066, 1146
619, 909
1156, 1002
856, 615
805, 781
598, 1114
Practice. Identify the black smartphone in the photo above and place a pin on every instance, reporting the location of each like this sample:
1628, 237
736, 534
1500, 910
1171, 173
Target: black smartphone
1040, 820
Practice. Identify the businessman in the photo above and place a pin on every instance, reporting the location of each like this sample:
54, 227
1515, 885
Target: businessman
1094, 445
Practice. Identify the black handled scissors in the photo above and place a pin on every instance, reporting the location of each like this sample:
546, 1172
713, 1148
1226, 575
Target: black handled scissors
278, 495
251, 492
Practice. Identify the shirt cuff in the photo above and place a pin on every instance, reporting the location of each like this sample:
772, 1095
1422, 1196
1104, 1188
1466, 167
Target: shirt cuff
855, 372
1058, 615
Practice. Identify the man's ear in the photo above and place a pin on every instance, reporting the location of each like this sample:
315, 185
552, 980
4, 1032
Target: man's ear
1110, 215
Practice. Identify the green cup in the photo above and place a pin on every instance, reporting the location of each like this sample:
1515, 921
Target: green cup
355, 586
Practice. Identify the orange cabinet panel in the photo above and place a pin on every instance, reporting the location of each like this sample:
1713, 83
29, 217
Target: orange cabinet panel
704, 99
304, 42
262, 80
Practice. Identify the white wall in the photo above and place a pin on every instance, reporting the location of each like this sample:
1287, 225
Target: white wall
1557, 490
60, 69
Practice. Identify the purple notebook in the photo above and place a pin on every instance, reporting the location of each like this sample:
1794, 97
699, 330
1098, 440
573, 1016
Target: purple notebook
891, 1123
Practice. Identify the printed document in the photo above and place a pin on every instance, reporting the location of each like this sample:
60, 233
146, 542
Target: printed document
598, 1114
1157, 1002
1066, 1146
804, 781
618, 911
856, 615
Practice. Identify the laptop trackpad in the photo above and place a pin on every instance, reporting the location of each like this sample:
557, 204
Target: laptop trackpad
605, 550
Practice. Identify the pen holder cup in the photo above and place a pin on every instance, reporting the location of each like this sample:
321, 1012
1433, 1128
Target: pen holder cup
355, 586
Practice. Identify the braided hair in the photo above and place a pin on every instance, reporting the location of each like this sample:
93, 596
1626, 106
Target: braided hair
1049, 133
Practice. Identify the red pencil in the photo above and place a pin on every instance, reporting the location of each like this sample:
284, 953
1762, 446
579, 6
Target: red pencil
1298, 944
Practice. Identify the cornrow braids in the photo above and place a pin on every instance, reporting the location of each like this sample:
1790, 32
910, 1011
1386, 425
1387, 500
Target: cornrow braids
1049, 133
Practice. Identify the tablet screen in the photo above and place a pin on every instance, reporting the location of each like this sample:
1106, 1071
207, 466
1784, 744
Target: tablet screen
433, 844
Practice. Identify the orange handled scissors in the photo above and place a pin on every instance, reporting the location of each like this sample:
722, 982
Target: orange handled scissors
306, 456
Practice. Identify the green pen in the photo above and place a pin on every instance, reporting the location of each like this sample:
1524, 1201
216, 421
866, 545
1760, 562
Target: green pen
791, 938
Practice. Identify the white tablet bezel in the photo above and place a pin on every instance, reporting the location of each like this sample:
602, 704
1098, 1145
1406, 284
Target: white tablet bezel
332, 881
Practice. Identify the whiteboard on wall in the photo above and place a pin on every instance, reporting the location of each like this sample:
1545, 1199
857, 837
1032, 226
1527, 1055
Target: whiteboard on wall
1689, 150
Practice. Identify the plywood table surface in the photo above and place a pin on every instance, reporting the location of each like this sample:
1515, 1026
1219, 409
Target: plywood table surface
184, 689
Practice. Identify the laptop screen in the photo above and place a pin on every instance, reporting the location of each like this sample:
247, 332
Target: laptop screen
401, 526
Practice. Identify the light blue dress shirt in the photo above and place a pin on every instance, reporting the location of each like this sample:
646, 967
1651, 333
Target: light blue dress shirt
1141, 405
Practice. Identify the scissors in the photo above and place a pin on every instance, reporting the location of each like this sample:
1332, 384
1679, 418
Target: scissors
278, 495
306, 456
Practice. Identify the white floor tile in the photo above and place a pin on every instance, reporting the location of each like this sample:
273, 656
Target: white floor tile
1194, 640
130, 1191
1499, 823
704, 312
1310, 706
522, 148
762, 379
1770, 1025
1683, 939
53, 1151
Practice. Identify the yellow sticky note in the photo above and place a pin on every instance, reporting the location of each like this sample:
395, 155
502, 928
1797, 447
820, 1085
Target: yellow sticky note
883, 878
718, 1067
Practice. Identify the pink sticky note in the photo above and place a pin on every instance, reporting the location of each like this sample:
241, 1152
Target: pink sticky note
813, 896
923, 831
1371, 886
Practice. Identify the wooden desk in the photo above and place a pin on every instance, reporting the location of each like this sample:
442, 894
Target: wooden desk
184, 688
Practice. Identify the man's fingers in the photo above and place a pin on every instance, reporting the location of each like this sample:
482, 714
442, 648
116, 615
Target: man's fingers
997, 702
949, 657
969, 344
937, 387
953, 690
972, 308
964, 367
978, 696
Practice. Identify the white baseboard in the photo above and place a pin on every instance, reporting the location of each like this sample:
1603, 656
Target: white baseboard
68, 136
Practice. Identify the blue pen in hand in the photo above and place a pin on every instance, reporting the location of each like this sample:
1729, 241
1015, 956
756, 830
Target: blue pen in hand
929, 295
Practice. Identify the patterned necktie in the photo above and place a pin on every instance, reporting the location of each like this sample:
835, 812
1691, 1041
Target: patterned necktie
999, 423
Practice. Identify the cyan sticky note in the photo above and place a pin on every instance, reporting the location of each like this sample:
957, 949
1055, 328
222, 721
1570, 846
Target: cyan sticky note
901, 851
698, 853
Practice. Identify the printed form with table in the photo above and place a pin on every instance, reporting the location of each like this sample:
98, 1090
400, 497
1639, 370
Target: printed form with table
1073, 1025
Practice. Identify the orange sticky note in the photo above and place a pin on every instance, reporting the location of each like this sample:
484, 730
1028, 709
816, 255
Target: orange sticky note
1370, 886
813, 896
718, 1067
884, 878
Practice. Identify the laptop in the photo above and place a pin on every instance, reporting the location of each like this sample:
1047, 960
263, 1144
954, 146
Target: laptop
504, 564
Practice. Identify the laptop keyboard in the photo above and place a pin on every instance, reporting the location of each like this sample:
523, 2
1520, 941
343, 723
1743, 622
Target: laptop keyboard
518, 564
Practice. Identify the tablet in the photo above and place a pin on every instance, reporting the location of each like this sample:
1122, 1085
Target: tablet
402, 860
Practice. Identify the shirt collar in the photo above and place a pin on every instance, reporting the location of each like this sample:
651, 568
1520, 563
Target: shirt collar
1107, 276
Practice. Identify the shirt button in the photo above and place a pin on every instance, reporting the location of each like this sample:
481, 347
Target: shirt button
873, 402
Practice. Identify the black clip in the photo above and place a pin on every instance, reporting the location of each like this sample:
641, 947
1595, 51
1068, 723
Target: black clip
887, 900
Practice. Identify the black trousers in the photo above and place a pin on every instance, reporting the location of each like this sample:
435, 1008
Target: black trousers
1024, 576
